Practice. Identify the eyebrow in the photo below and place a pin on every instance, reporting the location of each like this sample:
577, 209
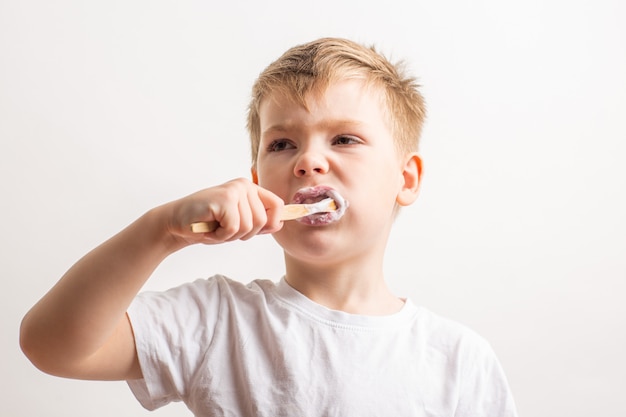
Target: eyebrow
325, 124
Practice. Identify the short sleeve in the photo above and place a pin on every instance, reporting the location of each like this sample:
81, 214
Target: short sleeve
172, 331
484, 389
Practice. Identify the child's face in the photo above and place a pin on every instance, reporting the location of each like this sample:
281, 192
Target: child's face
343, 142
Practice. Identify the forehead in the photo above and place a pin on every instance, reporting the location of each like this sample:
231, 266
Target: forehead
351, 101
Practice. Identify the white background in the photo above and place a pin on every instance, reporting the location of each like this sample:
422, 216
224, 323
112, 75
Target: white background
110, 108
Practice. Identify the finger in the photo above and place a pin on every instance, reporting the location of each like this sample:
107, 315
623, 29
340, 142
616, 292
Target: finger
258, 216
229, 221
273, 205
247, 219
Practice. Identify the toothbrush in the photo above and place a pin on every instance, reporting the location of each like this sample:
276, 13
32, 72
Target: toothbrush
290, 212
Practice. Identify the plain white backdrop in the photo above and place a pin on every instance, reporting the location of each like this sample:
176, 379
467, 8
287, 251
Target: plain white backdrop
110, 108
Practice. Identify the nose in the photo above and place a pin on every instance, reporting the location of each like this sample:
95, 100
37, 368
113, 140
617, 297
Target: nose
311, 162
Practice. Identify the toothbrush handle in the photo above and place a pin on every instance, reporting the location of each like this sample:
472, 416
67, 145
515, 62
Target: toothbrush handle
204, 227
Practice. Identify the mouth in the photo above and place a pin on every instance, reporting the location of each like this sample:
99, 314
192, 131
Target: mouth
310, 195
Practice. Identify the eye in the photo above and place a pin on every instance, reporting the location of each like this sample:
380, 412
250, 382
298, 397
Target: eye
280, 145
346, 140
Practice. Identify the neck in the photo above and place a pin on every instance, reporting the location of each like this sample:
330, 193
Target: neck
358, 288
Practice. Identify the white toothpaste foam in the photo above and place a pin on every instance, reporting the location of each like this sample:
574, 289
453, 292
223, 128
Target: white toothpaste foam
312, 195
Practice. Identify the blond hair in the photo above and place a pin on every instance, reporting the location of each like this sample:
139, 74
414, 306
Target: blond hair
313, 66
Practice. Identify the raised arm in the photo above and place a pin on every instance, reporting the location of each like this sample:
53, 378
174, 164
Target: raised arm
79, 329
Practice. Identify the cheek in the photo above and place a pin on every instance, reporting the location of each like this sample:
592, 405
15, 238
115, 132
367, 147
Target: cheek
266, 177
377, 188
273, 180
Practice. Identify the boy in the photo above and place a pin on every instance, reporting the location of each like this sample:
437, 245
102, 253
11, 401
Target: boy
328, 339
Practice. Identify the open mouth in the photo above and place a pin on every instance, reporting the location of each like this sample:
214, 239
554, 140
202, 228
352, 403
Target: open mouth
311, 195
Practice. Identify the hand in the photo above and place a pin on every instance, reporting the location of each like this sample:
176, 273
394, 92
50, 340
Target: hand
242, 209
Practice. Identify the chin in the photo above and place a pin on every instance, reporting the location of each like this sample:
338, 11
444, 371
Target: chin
307, 246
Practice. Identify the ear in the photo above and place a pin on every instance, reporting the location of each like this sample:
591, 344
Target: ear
411, 179
255, 176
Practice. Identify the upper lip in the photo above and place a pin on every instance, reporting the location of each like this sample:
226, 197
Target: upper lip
310, 192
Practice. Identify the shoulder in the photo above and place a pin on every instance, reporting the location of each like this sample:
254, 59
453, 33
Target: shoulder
199, 302
447, 333
468, 355
200, 290
471, 365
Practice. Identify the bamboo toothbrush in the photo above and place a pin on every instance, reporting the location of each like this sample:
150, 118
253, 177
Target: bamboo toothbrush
290, 212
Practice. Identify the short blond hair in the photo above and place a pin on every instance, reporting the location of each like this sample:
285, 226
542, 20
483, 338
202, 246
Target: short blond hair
313, 66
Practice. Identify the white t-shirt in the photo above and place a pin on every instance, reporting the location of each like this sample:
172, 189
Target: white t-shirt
264, 349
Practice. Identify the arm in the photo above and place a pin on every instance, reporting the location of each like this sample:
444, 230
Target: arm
79, 329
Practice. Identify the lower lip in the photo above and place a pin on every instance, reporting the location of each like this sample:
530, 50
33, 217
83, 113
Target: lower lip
319, 219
